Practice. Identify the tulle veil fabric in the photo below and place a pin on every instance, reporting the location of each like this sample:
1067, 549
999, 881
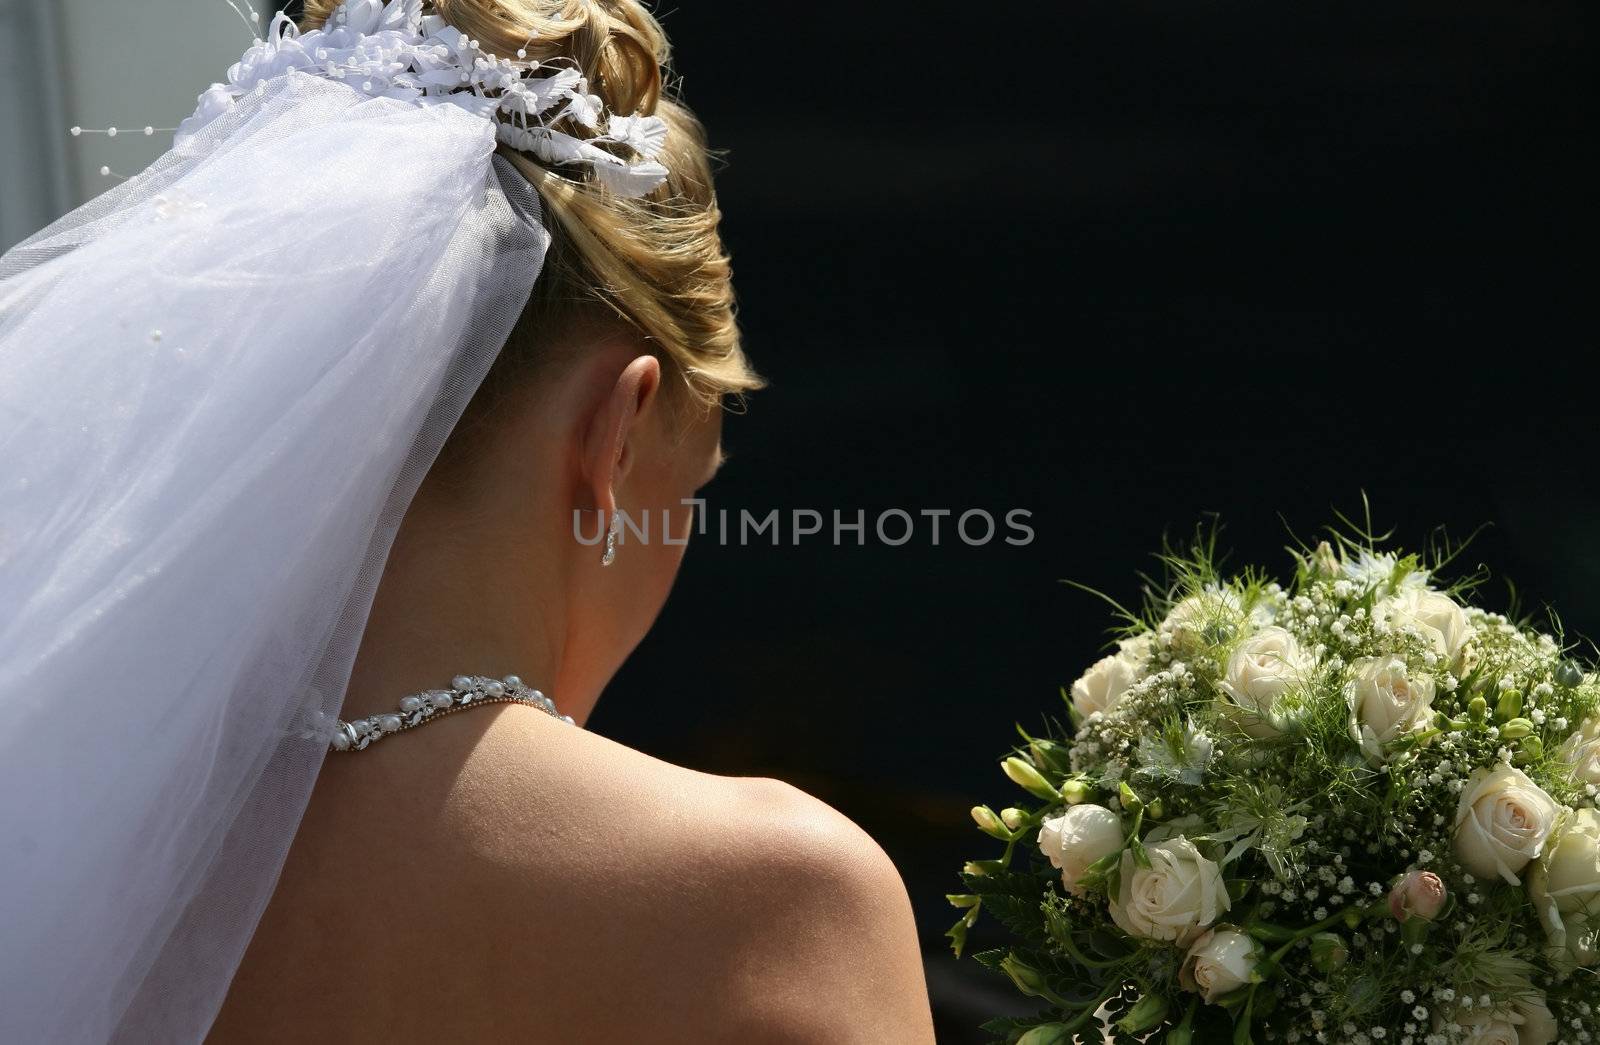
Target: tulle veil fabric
220, 384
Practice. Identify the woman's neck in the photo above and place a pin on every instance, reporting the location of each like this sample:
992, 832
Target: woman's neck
462, 595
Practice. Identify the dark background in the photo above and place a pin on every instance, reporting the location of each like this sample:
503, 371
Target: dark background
1121, 264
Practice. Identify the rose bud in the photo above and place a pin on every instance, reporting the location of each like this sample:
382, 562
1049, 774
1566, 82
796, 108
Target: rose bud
990, 824
1219, 962
1146, 1014
1419, 893
1325, 560
1029, 981
1075, 792
1328, 952
1028, 778
1078, 838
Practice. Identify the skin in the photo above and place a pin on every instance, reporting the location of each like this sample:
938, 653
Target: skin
501, 876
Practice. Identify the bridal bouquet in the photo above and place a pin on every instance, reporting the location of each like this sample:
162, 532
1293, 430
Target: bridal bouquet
1354, 809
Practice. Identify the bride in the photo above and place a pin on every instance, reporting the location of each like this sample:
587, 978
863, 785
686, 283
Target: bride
311, 434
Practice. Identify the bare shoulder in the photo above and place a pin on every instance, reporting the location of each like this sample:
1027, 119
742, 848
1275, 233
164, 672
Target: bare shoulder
828, 921
743, 906
504, 876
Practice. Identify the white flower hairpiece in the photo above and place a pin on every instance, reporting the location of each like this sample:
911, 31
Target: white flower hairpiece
391, 50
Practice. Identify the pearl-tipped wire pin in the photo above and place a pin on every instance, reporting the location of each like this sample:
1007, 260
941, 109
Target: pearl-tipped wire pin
252, 20
522, 52
112, 132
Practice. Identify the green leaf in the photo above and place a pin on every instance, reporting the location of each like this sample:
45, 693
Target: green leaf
991, 958
1108, 945
957, 934
1241, 1027
1018, 914
1242, 846
1087, 996
1113, 883
1029, 885
1097, 874
980, 868
1052, 755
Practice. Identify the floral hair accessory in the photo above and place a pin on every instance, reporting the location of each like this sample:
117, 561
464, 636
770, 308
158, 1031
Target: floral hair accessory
392, 50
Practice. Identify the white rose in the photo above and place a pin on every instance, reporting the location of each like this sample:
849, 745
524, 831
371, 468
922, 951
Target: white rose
1481, 1027
1539, 1025
1175, 899
1502, 822
1582, 752
1078, 838
1221, 961
1434, 616
1262, 668
1103, 685
1189, 619
1527, 1021
1386, 703
1136, 650
1565, 888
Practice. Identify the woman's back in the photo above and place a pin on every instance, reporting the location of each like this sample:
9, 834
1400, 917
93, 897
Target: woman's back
430, 458
500, 875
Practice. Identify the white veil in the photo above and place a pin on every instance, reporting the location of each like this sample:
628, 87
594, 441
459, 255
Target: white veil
220, 384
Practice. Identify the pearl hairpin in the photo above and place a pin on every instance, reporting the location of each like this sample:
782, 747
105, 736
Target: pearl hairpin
112, 132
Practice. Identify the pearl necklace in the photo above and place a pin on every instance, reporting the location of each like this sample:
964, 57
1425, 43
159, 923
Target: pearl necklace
466, 691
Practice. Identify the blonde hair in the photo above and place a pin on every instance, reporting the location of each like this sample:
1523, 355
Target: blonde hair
655, 263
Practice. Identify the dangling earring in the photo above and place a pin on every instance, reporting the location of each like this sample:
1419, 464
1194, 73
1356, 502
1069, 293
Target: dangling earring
611, 543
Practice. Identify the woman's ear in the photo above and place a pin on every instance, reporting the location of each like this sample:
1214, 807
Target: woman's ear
610, 447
